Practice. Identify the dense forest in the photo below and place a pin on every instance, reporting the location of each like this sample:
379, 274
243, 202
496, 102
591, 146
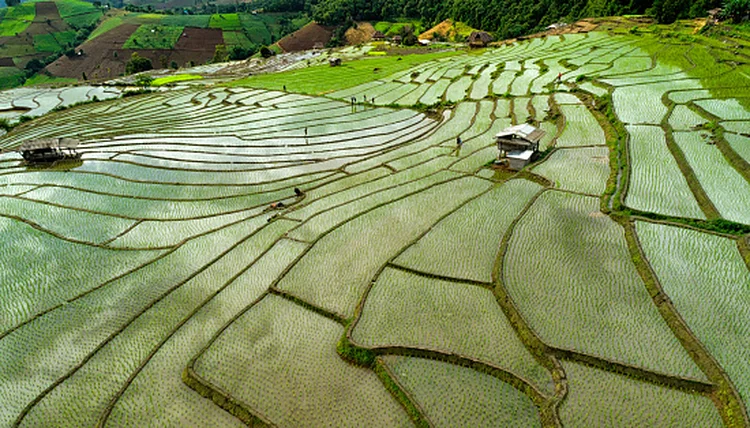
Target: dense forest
506, 18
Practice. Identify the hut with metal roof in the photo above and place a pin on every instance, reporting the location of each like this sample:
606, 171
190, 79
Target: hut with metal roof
44, 150
519, 144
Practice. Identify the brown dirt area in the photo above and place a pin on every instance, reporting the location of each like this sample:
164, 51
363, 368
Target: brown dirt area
445, 28
362, 34
306, 38
100, 63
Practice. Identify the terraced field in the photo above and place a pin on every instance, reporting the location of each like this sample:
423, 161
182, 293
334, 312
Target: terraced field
247, 254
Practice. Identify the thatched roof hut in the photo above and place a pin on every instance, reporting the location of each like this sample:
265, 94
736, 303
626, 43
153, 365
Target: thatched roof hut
479, 39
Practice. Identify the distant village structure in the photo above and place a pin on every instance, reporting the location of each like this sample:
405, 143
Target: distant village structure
519, 144
334, 62
378, 36
49, 149
479, 39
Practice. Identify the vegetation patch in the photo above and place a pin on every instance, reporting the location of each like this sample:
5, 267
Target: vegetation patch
175, 78
53, 42
323, 79
154, 37
226, 21
108, 24
16, 19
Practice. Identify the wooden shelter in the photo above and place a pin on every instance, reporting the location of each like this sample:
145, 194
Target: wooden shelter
397, 39
378, 36
519, 144
479, 39
334, 62
44, 150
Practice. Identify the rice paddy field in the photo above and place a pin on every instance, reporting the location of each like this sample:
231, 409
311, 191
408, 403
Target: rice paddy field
272, 252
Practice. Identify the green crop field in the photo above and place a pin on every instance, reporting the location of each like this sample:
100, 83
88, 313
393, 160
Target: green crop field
714, 302
198, 21
552, 260
16, 19
590, 175
106, 25
53, 42
261, 248
449, 393
403, 309
600, 398
153, 37
226, 22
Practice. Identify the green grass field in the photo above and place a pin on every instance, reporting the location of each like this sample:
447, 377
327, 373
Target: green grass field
106, 25
16, 19
10, 77
53, 42
174, 79
226, 21
199, 21
153, 37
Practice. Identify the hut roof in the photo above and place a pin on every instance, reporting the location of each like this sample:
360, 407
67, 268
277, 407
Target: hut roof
524, 130
43, 143
480, 36
378, 35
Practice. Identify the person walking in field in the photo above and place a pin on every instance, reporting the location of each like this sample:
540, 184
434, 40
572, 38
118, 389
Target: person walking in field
458, 141
559, 78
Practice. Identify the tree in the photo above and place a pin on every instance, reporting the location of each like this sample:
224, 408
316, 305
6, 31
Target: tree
668, 11
265, 52
238, 53
736, 10
137, 64
144, 80
11, 3
34, 66
220, 54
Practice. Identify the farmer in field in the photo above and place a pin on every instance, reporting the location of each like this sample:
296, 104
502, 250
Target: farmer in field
559, 78
458, 141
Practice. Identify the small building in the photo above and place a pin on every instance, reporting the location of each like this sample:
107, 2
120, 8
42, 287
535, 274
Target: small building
424, 42
519, 144
713, 16
378, 36
479, 39
397, 39
47, 150
334, 62
317, 45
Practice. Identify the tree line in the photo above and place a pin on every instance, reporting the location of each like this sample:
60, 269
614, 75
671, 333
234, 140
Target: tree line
505, 18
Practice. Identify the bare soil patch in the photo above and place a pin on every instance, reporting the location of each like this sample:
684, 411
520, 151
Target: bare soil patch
362, 34
307, 37
104, 58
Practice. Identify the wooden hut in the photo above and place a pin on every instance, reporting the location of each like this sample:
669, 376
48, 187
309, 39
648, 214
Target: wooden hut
479, 39
397, 39
45, 150
378, 36
519, 144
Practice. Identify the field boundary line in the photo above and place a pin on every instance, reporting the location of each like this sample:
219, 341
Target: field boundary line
725, 394
394, 265
531, 340
113, 401
72, 371
401, 394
